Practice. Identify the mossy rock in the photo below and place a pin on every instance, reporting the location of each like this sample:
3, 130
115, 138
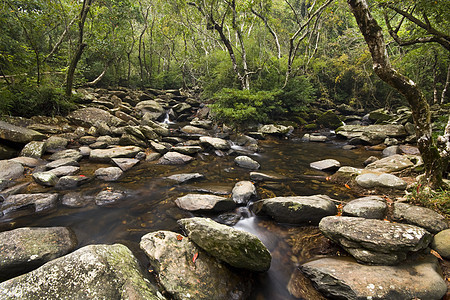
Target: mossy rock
329, 120
311, 126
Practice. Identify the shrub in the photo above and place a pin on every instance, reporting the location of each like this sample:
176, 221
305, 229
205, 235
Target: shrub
436, 200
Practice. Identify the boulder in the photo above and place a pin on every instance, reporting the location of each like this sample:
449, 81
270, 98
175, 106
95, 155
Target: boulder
7, 152
187, 272
55, 143
65, 171
371, 207
160, 129
204, 202
441, 243
419, 216
69, 153
343, 278
181, 107
109, 174
326, 165
89, 116
108, 197
216, 143
175, 158
189, 129
25, 249
390, 151
246, 162
372, 134
150, 106
71, 182
380, 115
159, 147
188, 150
63, 162
238, 248
39, 202
345, 173
45, 178
129, 140
27, 161
10, 170
371, 180
206, 124
182, 178
329, 120
297, 209
243, 191
76, 200
33, 149
19, 134
275, 129
105, 155
92, 272
125, 163
375, 241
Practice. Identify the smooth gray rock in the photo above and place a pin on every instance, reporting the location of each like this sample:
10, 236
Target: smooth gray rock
71, 182
25, 249
109, 197
189, 129
172, 259
76, 200
243, 191
175, 158
105, 155
130, 140
343, 278
216, 143
188, 150
33, 149
150, 106
420, 216
45, 178
39, 202
371, 207
109, 174
246, 162
391, 150
441, 243
182, 178
275, 129
371, 180
27, 161
89, 116
326, 165
69, 153
391, 164
55, 143
10, 170
159, 147
204, 202
375, 241
372, 134
65, 171
238, 248
346, 173
92, 272
125, 163
297, 209
19, 134
64, 162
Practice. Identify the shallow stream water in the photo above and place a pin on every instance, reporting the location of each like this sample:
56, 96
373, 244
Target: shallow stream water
150, 206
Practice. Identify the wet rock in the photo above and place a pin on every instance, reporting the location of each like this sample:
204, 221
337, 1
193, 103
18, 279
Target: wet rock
39, 202
102, 128
71, 182
375, 241
158, 128
130, 140
76, 200
297, 209
380, 115
108, 197
55, 143
329, 119
189, 129
125, 163
371, 207
153, 156
150, 106
391, 164
148, 132
275, 129
409, 150
10, 170
243, 191
188, 150
326, 165
92, 272
370, 160
7, 152
314, 138
229, 219
246, 162
33, 149
69, 153
160, 148
216, 143
19, 134
441, 243
419, 216
25, 249
105, 155
89, 116
238, 248
171, 257
175, 158
371, 180
258, 176
88, 140
346, 173
204, 202
182, 178
372, 134
181, 107
45, 178
391, 150
63, 162
343, 278
27, 161
109, 174
206, 124
65, 171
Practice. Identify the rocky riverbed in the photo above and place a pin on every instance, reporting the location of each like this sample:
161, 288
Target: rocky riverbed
138, 194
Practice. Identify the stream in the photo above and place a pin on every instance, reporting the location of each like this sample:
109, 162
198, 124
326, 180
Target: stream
149, 205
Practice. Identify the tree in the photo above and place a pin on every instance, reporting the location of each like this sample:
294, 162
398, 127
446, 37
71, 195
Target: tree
435, 161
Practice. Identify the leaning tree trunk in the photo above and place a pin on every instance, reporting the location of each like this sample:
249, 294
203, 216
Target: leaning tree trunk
434, 164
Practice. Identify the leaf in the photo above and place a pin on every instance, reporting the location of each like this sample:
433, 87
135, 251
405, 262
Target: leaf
436, 254
195, 257
179, 237
347, 186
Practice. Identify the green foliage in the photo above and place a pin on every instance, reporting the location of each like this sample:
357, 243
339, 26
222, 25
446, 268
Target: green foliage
26, 100
244, 107
436, 200
297, 94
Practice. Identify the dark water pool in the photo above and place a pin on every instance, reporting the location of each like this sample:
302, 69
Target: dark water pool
150, 206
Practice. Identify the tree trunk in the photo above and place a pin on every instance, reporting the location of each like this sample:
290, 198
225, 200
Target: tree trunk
372, 32
80, 47
447, 83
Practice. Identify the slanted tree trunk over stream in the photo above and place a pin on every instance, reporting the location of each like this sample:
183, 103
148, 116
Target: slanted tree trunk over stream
435, 161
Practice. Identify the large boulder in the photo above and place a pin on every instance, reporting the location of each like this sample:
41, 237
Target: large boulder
391, 164
109, 197
188, 272
297, 209
33, 149
372, 134
329, 119
419, 216
105, 155
204, 202
69, 153
383, 180
246, 162
10, 170
375, 241
441, 243
216, 143
19, 134
275, 129
238, 248
175, 158
371, 207
92, 272
150, 106
89, 116
45, 178
109, 174
39, 202
343, 278
243, 191
25, 249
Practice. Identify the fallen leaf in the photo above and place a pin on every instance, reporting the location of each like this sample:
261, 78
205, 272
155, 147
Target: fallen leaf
179, 237
347, 186
436, 254
195, 257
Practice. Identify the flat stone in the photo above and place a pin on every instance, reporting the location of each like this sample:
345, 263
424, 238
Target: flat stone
92, 272
45, 178
374, 241
109, 174
71, 182
441, 243
204, 202
238, 248
343, 278
275, 129
246, 162
371, 180
189, 129
216, 143
89, 116
27, 161
19, 134
188, 150
64, 171
326, 165
346, 172
39, 202
172, 258
175, 158
76, 200
371, 207
55, 143
33, 149
24, 249
391, 164
419, 216
243, 191
297, 209
105, 155
125, 163
108, 197
69, 153
63, 162
182, 178
10, 170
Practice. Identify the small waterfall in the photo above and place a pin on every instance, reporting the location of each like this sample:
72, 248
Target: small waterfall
167, 119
